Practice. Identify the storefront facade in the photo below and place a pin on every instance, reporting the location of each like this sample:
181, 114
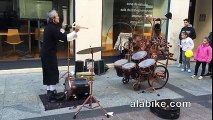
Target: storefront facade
116, 16
124, 15
106, 19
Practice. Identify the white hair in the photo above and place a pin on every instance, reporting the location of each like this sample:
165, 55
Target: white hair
51, 15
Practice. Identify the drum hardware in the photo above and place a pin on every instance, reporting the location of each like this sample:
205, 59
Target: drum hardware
128, 57
91, 97
129, 47
150, 90
68, 62
68, 50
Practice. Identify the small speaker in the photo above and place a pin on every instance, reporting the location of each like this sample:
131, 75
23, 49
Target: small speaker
79, 66
99, 67
88, 64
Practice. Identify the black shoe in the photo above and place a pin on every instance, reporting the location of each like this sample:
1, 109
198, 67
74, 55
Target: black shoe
51, 95
60, 96
208, 74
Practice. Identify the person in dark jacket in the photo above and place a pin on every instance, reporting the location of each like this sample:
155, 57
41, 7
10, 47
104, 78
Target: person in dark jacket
192, 34
210, 64
52, 34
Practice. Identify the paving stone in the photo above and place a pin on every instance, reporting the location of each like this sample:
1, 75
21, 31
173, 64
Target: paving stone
21, 101
18, 112
1, 111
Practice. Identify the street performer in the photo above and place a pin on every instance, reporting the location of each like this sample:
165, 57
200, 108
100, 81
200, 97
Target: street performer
52, 34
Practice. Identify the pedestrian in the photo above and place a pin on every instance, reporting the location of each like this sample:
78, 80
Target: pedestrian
192, 34
202, 56
210, 64
186, 44
52, 34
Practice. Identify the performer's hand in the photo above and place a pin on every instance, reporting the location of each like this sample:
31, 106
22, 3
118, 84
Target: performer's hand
77, 28
64, 25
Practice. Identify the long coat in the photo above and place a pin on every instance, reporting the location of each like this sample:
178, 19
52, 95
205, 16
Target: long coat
48, 53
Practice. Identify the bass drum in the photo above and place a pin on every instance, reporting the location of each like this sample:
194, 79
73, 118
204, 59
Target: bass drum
76, 88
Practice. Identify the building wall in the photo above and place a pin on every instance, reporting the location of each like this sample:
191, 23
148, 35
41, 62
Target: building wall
202, 28
88, 13
179, 10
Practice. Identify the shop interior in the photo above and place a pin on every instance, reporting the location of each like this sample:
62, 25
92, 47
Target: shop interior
22, 26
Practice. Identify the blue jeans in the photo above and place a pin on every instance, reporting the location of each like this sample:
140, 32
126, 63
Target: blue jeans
186, 61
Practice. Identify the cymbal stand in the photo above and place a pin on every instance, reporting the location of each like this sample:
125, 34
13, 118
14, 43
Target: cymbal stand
68, 62
130, 47
91, 97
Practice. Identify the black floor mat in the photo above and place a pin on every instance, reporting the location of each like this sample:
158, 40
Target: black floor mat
72, 103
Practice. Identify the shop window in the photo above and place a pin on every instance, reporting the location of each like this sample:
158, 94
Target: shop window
29, 18
128, 16
34, 8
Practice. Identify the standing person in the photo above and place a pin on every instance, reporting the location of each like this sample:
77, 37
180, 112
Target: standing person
186, 44
52, 34
210, 64
192, 34
202, 56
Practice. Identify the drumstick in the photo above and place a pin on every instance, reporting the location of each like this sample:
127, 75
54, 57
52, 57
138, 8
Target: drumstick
74, 26
81, 27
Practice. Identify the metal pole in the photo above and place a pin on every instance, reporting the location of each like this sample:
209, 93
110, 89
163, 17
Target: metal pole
29, 36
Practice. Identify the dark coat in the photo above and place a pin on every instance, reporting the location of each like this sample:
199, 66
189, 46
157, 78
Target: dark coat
190, 30
48, 53
210, 38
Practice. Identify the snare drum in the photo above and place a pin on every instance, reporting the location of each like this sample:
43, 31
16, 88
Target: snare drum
139, 56
147, 66
118, 66
129, 70
76, 88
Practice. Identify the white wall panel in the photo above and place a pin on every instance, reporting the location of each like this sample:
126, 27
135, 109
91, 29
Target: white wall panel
88, 13
179, 10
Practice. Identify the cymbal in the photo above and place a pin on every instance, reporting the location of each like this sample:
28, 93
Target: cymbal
91, 50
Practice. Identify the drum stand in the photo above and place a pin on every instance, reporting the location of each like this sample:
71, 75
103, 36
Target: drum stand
151, 90
129, 54
68, 62
91, 97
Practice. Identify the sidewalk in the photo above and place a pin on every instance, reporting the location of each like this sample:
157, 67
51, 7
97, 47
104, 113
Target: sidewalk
19, 90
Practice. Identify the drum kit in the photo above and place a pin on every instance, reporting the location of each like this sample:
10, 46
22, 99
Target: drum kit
140, 66
143, 65
78, 87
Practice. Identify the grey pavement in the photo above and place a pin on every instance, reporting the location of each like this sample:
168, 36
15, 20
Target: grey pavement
19, 90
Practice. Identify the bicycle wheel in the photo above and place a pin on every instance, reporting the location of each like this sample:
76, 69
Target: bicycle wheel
159, 78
